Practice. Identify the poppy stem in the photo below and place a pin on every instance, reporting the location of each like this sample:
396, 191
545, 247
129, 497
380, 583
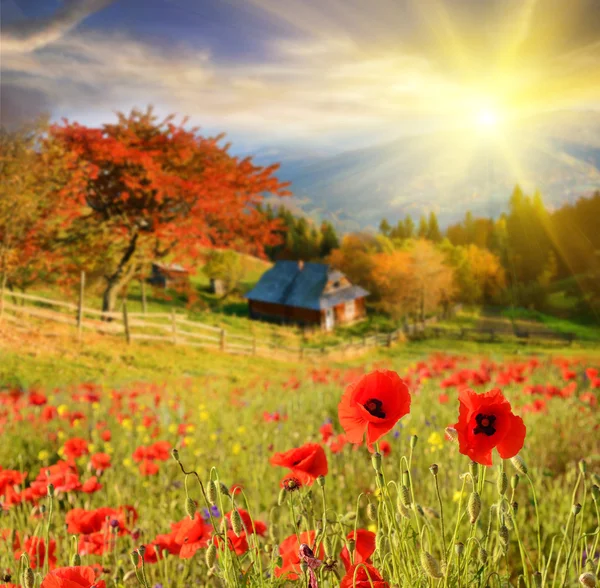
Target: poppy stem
538, 522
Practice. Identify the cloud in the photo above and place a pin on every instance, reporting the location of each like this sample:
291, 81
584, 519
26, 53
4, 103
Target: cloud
345, 70
31, 34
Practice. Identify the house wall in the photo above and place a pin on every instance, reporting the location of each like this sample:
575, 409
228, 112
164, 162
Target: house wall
282, 313
359, 312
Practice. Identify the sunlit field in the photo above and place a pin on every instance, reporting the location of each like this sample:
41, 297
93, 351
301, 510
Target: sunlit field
255, 480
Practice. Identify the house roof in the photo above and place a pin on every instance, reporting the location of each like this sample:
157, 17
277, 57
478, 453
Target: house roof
288, 284
170, 267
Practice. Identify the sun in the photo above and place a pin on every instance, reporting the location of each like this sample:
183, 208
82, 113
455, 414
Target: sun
487, 118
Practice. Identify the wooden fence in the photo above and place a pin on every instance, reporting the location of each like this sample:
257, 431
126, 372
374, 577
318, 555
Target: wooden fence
171, 327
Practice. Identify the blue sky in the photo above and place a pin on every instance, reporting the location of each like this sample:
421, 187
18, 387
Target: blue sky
305, 74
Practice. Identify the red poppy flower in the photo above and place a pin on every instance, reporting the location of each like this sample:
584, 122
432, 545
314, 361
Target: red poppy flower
237, 544
36, 549
100, 461
486, 421
373, 405
307, 463
364, 548
366, 576
75, 447
192, 535
72, 577
288, 549
92, 485
259, 526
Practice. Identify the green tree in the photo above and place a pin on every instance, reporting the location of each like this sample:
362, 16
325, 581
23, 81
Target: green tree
433, 232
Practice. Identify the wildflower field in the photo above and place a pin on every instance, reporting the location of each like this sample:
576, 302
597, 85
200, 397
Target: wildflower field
447, 470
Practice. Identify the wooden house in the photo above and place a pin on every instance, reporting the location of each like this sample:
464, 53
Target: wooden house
166, 275
306, 294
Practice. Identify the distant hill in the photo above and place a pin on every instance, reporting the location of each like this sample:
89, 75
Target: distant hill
558, 153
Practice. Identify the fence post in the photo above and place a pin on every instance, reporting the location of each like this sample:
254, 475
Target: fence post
80, 306
222, 342
126, 324
144, 306
174, 325
2, 289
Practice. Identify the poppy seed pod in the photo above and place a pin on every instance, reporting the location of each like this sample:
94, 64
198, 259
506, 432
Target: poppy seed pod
190, 507
321, 481
430, 565
588, 579
376, 461
413, 441
502, 483
175, 454
519, 464
211, 492
433, 468
28, 578
483, 556
474, 507
236, 523
211, 555
576, 509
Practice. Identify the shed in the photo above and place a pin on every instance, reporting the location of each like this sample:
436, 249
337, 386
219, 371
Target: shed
168, 275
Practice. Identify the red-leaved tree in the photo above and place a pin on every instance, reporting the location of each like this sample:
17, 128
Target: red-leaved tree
143, 189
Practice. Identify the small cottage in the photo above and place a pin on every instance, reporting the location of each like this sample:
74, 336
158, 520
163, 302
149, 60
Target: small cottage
306, 294
168, 275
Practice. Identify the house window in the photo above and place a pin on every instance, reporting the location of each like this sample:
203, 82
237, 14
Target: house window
349, 310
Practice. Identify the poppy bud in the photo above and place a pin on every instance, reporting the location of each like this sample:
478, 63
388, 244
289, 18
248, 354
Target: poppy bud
420, 510
327, 546
582, 466
403, 510
413, 441
405, 478
281, 498
211, 555
588, 579
596, 493
503, 534
380, 542
142, 550
211, 492
76, 560
433, 468
502, 483
483, 556
515, 507
474, 507
508, 521
175, 454
430, 512
474, 471
452, 434
405, 496
236, 523
519, 464
6, 578
135, 558
430, 565
279, 561
50, 490
372, 511
596, 479
459, 548
351, 545
28, 578
514, 481
190, 507
224, 490
380, 480
576, 509
376, 461
538, 578
321, 481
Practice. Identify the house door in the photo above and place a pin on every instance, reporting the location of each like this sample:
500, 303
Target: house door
329, 319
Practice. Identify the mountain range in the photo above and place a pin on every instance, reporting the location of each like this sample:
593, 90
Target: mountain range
555, 153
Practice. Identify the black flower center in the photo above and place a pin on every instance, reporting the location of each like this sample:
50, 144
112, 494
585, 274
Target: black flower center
485, 424
374, 407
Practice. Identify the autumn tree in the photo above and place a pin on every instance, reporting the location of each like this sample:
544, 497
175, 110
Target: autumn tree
227, 267
30, 172
144, 189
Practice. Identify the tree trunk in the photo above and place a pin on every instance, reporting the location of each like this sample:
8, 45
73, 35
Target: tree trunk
124, 273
